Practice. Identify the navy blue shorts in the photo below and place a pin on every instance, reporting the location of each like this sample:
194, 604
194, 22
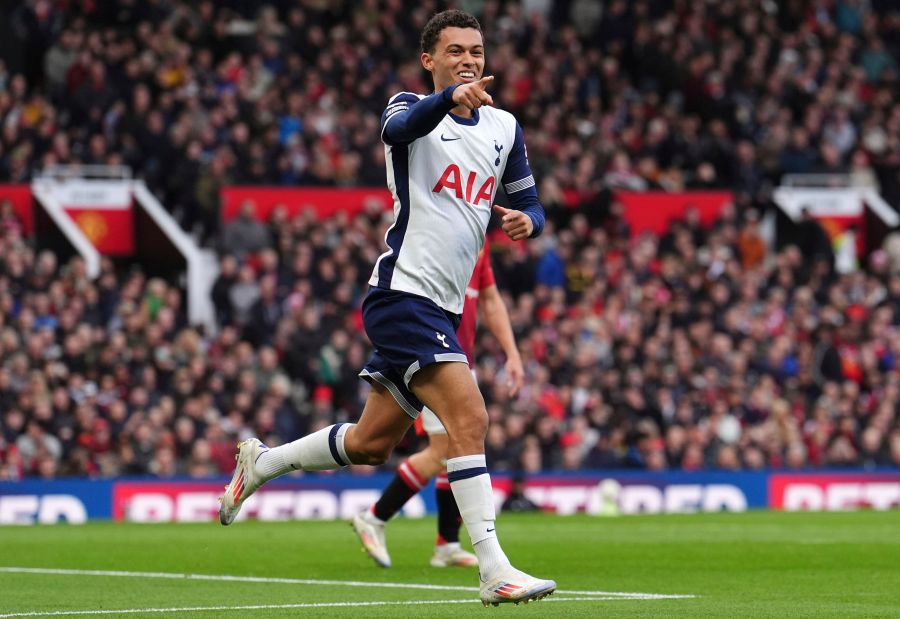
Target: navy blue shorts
409, 332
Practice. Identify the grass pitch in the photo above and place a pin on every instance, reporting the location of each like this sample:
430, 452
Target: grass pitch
735, 565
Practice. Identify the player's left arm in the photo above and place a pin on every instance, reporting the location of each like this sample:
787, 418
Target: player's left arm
526, 218
496, 318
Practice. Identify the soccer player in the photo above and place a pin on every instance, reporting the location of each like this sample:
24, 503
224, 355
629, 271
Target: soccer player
445, 154
415, 472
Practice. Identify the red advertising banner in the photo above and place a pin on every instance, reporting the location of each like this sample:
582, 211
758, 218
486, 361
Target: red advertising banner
644, 211
325, 202
165, 501
198, 501
834, 491
20, 197
653, 211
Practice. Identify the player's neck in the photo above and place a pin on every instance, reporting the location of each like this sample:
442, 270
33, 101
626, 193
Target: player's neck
462, 111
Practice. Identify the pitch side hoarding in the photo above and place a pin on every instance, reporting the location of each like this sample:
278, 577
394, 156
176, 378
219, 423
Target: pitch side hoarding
336, 496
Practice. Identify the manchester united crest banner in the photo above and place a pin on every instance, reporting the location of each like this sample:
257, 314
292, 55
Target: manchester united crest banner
104, 212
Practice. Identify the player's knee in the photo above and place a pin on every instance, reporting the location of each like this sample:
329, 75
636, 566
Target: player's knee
472, 428
480, 424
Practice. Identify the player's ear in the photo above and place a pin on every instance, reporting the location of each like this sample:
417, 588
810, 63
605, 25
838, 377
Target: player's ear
427, 61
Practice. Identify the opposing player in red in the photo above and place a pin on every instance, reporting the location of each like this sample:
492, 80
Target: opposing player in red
482, 297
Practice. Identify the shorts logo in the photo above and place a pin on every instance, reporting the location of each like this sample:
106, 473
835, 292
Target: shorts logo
443, 339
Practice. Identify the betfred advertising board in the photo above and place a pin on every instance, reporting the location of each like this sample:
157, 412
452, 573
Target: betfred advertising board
641, 493
190, 501
834, 491
339, 496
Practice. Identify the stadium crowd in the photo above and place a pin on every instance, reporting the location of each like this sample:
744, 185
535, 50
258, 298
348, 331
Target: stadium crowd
685, 352
701, 349
647, 94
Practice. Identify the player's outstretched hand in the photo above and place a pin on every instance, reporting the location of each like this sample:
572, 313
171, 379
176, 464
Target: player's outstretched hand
516, 224
473, 95
515, 375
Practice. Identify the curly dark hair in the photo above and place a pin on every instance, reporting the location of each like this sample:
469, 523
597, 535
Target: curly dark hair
446, 19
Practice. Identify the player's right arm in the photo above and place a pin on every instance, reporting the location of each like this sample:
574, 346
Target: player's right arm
407, 118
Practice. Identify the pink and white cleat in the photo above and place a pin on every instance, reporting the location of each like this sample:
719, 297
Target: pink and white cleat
370, 531
244, 482
512, 585
451, 555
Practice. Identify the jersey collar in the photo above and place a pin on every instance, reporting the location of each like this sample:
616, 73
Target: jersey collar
465, 121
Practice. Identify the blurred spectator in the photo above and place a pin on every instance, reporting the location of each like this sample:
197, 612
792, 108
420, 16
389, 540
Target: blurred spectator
751, 246
516, 501
812, 239
245, 234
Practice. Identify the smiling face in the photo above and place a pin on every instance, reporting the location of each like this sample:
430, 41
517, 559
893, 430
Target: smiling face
458, 57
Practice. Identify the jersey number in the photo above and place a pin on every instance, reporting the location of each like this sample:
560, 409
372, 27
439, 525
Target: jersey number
452, 178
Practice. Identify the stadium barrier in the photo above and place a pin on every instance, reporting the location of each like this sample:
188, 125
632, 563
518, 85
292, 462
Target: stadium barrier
644, 211
654, 211
330, 496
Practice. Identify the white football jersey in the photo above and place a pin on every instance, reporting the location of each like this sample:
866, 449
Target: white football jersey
444, 185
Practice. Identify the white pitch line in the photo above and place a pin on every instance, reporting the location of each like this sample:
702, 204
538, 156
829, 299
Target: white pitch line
131, 611
307, 581
635, 595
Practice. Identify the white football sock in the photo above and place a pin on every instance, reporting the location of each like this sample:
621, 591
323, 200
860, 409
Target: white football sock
471, 486
319, 451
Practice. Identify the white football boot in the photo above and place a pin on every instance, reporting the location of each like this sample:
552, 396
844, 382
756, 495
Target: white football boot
244, 482
512, 585
370, 531
451, 555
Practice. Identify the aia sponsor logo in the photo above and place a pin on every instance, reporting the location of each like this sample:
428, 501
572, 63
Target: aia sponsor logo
464, 186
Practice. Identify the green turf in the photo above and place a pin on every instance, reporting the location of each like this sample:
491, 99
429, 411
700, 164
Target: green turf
739, 565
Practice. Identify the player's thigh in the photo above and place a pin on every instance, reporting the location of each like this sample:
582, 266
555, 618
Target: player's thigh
381, 426
449, 390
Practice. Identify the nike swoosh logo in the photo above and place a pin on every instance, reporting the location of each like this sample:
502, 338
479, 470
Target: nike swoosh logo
443, 139
489, 530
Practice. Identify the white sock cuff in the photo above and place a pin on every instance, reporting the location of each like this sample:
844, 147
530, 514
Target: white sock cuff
322, 450
338, 431
464, 467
